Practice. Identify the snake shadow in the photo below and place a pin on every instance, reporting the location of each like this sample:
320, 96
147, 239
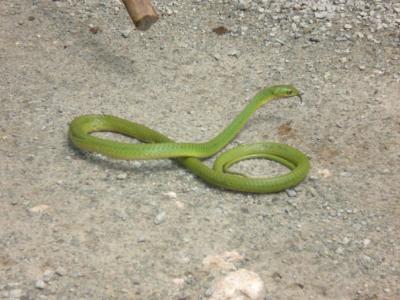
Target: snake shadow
146, 167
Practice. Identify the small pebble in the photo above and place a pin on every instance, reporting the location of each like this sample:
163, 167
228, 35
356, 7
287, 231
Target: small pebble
168, 11
325, 173
179, 281
237, 284
359, 35
216, 56
366, 242
94, 29
40, 284
60, 271
347, 26
122, 176
339, 250
208, 293
346, 240
170, 194
291, 192
141, 238
296, 19
321, 14
39, 208
136, 164
48, 275
314, 40
125, 33
233, 53
243, 4
179, 204
160, 218
345, 174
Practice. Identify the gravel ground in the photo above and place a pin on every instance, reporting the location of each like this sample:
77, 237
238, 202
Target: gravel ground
80, 226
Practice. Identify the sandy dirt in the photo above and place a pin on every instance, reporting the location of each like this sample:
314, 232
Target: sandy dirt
81, 226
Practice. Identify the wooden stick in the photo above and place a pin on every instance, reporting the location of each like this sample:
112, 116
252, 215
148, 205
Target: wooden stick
141, 12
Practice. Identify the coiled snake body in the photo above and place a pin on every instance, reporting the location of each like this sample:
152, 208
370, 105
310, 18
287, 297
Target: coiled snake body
190, 155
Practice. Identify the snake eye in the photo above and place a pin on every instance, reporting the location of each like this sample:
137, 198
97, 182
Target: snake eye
293, 92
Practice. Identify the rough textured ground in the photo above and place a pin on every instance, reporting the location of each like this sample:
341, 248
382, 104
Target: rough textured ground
76, 226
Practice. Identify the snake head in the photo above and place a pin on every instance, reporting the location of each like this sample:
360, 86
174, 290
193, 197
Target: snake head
286, 91
276, 92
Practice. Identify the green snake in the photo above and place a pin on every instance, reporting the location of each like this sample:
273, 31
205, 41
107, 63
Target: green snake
190, 155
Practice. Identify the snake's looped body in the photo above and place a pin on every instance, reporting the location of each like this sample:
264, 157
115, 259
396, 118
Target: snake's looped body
156, 146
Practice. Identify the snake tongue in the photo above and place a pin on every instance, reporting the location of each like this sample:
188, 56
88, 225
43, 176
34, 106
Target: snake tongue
301, 98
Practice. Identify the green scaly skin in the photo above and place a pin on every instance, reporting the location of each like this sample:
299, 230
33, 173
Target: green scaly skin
190, 155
